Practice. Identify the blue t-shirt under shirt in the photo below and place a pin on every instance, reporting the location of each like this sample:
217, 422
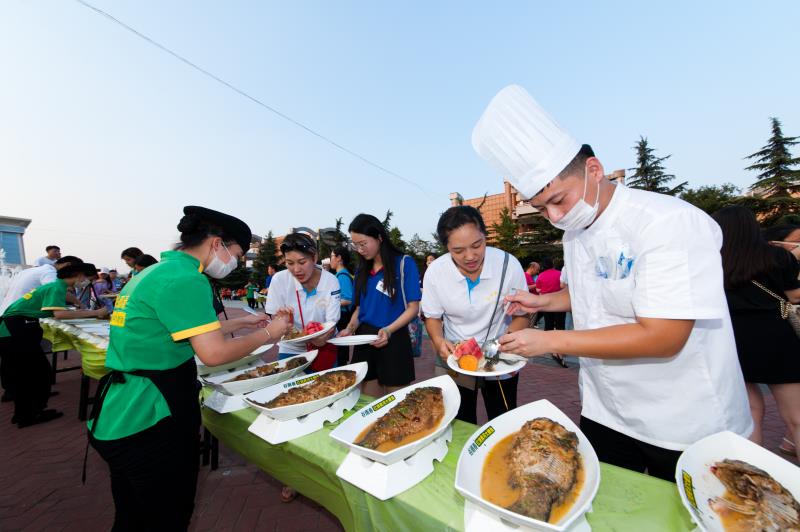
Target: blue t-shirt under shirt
375, 306
346, 285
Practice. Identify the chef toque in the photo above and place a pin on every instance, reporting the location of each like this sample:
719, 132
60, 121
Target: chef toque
521, 140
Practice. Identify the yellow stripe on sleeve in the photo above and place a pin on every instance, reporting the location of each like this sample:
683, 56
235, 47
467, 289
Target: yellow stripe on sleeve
54, 308
194, 331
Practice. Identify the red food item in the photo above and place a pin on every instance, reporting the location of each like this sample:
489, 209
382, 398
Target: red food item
312, 327
468, 347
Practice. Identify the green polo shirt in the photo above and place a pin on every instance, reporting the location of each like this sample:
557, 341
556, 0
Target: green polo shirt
154, 317
38, 303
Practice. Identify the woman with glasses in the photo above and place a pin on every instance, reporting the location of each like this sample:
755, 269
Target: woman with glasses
384, 306
312, 293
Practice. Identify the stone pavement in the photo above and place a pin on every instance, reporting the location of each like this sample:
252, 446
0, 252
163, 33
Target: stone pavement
40, 475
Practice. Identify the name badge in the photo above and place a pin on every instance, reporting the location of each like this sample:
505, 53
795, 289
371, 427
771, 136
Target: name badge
380, 288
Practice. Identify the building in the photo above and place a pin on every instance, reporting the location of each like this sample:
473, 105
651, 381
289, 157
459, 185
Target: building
11, 232
492, 206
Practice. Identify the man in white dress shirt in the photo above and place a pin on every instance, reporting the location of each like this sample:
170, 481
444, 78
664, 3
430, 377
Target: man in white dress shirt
53, 254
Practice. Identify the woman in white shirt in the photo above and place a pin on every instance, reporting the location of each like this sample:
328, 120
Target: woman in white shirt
310, 292
461, 292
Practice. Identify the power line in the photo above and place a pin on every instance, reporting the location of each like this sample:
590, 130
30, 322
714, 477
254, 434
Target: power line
252, 98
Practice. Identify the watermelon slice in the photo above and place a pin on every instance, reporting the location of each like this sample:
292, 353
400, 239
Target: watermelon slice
468, 347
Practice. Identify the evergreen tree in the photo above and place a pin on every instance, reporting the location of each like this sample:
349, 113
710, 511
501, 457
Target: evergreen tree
265, 257
649, 173
776, 166
438, 248
394, 233
505, 233
711, 198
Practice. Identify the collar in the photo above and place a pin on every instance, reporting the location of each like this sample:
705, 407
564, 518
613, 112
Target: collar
611, 213
181, 256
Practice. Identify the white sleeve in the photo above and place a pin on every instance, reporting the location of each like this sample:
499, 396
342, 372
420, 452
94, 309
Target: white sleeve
564, 274
334, 310
48, 276
275, 296
431, 303
516, 280
678, 271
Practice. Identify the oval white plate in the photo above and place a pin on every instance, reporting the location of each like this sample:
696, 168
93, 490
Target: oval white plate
358, 339
499, 368
326, 327
202, 369
220, 380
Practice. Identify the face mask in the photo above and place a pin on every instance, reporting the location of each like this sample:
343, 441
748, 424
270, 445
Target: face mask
218, 269
80, 285
581, 215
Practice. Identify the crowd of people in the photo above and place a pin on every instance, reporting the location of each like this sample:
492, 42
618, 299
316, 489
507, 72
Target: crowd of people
678, 317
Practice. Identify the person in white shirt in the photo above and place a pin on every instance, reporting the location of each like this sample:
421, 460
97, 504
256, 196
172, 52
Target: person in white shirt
312, 293
659, 369
464, 291
53, 254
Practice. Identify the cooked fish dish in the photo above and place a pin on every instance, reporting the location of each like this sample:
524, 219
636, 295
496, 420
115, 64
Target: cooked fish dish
326, 384
269, 369
418, 414
753, 500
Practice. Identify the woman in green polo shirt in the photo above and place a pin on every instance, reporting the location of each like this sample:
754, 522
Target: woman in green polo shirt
146, 420
27, 366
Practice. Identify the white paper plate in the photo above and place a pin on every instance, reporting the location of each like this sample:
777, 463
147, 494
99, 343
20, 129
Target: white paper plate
202, 369
499, 368
326, 327
217, 380
475, 451
285, 413
358, 339
697, 484
349, 430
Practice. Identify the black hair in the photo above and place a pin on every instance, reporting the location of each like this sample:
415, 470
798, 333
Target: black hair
69, 259
578, 163
746, 254
133, 253
779, 233
547, 263
300, 242
366, 224
145, 260
343, 252
195, 229
76, 268
48, 248
455, 217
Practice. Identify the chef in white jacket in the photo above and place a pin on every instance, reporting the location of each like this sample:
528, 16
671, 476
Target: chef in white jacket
643, 272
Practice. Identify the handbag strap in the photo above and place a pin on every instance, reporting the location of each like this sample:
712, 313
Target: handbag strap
499, 293
403, 280
784, 304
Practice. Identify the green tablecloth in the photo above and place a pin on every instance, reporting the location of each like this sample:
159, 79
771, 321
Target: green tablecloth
93, 358
625, 501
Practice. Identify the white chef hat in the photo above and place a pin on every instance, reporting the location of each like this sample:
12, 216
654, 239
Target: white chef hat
521, 140
104, 270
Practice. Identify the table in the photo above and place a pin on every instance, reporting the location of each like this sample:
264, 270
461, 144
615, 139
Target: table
625, 500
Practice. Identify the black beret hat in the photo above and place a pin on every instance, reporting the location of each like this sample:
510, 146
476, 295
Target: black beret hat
231, 226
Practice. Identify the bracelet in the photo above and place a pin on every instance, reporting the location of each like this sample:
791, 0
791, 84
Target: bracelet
269, 334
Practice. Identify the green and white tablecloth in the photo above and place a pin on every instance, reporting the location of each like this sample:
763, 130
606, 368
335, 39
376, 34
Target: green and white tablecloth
92, 348
625, 501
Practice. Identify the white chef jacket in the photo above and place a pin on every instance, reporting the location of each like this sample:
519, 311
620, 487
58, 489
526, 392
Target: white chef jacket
655, 256
466, 314
321, 304
25, 281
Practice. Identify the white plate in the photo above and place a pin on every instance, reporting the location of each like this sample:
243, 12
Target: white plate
499, 368
326, 327
202, 369
285, 413
349, 430
358, 339
218, 380
697, 484
475, 451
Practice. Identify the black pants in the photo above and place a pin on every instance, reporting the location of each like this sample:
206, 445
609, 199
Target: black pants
26, 367
153, 477
343, 351
555, 321
492, 399
5, 377
620, 450
251, 302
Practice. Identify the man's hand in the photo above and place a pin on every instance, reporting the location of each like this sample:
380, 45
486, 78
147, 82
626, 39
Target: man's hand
527, 342
322, 340
101, 313
252, 321
525, 302
445, 349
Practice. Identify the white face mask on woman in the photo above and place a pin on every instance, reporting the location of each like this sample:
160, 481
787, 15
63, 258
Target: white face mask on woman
581, 215
218, 269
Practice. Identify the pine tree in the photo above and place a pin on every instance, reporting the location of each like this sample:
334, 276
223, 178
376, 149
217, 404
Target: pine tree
265, 257
775, 164
711, 198
505, 233
649, 173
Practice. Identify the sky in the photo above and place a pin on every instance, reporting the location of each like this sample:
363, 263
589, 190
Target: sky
104, 137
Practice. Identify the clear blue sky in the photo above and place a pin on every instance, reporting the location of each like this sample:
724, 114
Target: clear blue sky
103, 138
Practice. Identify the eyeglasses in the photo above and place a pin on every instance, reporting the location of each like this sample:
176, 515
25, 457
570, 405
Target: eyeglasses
361, 245
298, 243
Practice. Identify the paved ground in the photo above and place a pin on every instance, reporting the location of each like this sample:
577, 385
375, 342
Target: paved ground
40, 476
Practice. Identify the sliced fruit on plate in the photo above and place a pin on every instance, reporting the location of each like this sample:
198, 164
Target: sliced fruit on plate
469, 355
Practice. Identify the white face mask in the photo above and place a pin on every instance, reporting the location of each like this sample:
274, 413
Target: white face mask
80, 285
218, 269
581, 215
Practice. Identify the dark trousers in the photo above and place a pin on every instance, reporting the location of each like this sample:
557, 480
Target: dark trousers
492, 399
615, 448
343, 351
251, 302
5, 377
153, 477
26, 368
555, 321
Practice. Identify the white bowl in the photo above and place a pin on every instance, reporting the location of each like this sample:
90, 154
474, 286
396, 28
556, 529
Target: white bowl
285, 413
349, 430
218, 380
475, 451
697, 484
202, 369
500, 368
358, 339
